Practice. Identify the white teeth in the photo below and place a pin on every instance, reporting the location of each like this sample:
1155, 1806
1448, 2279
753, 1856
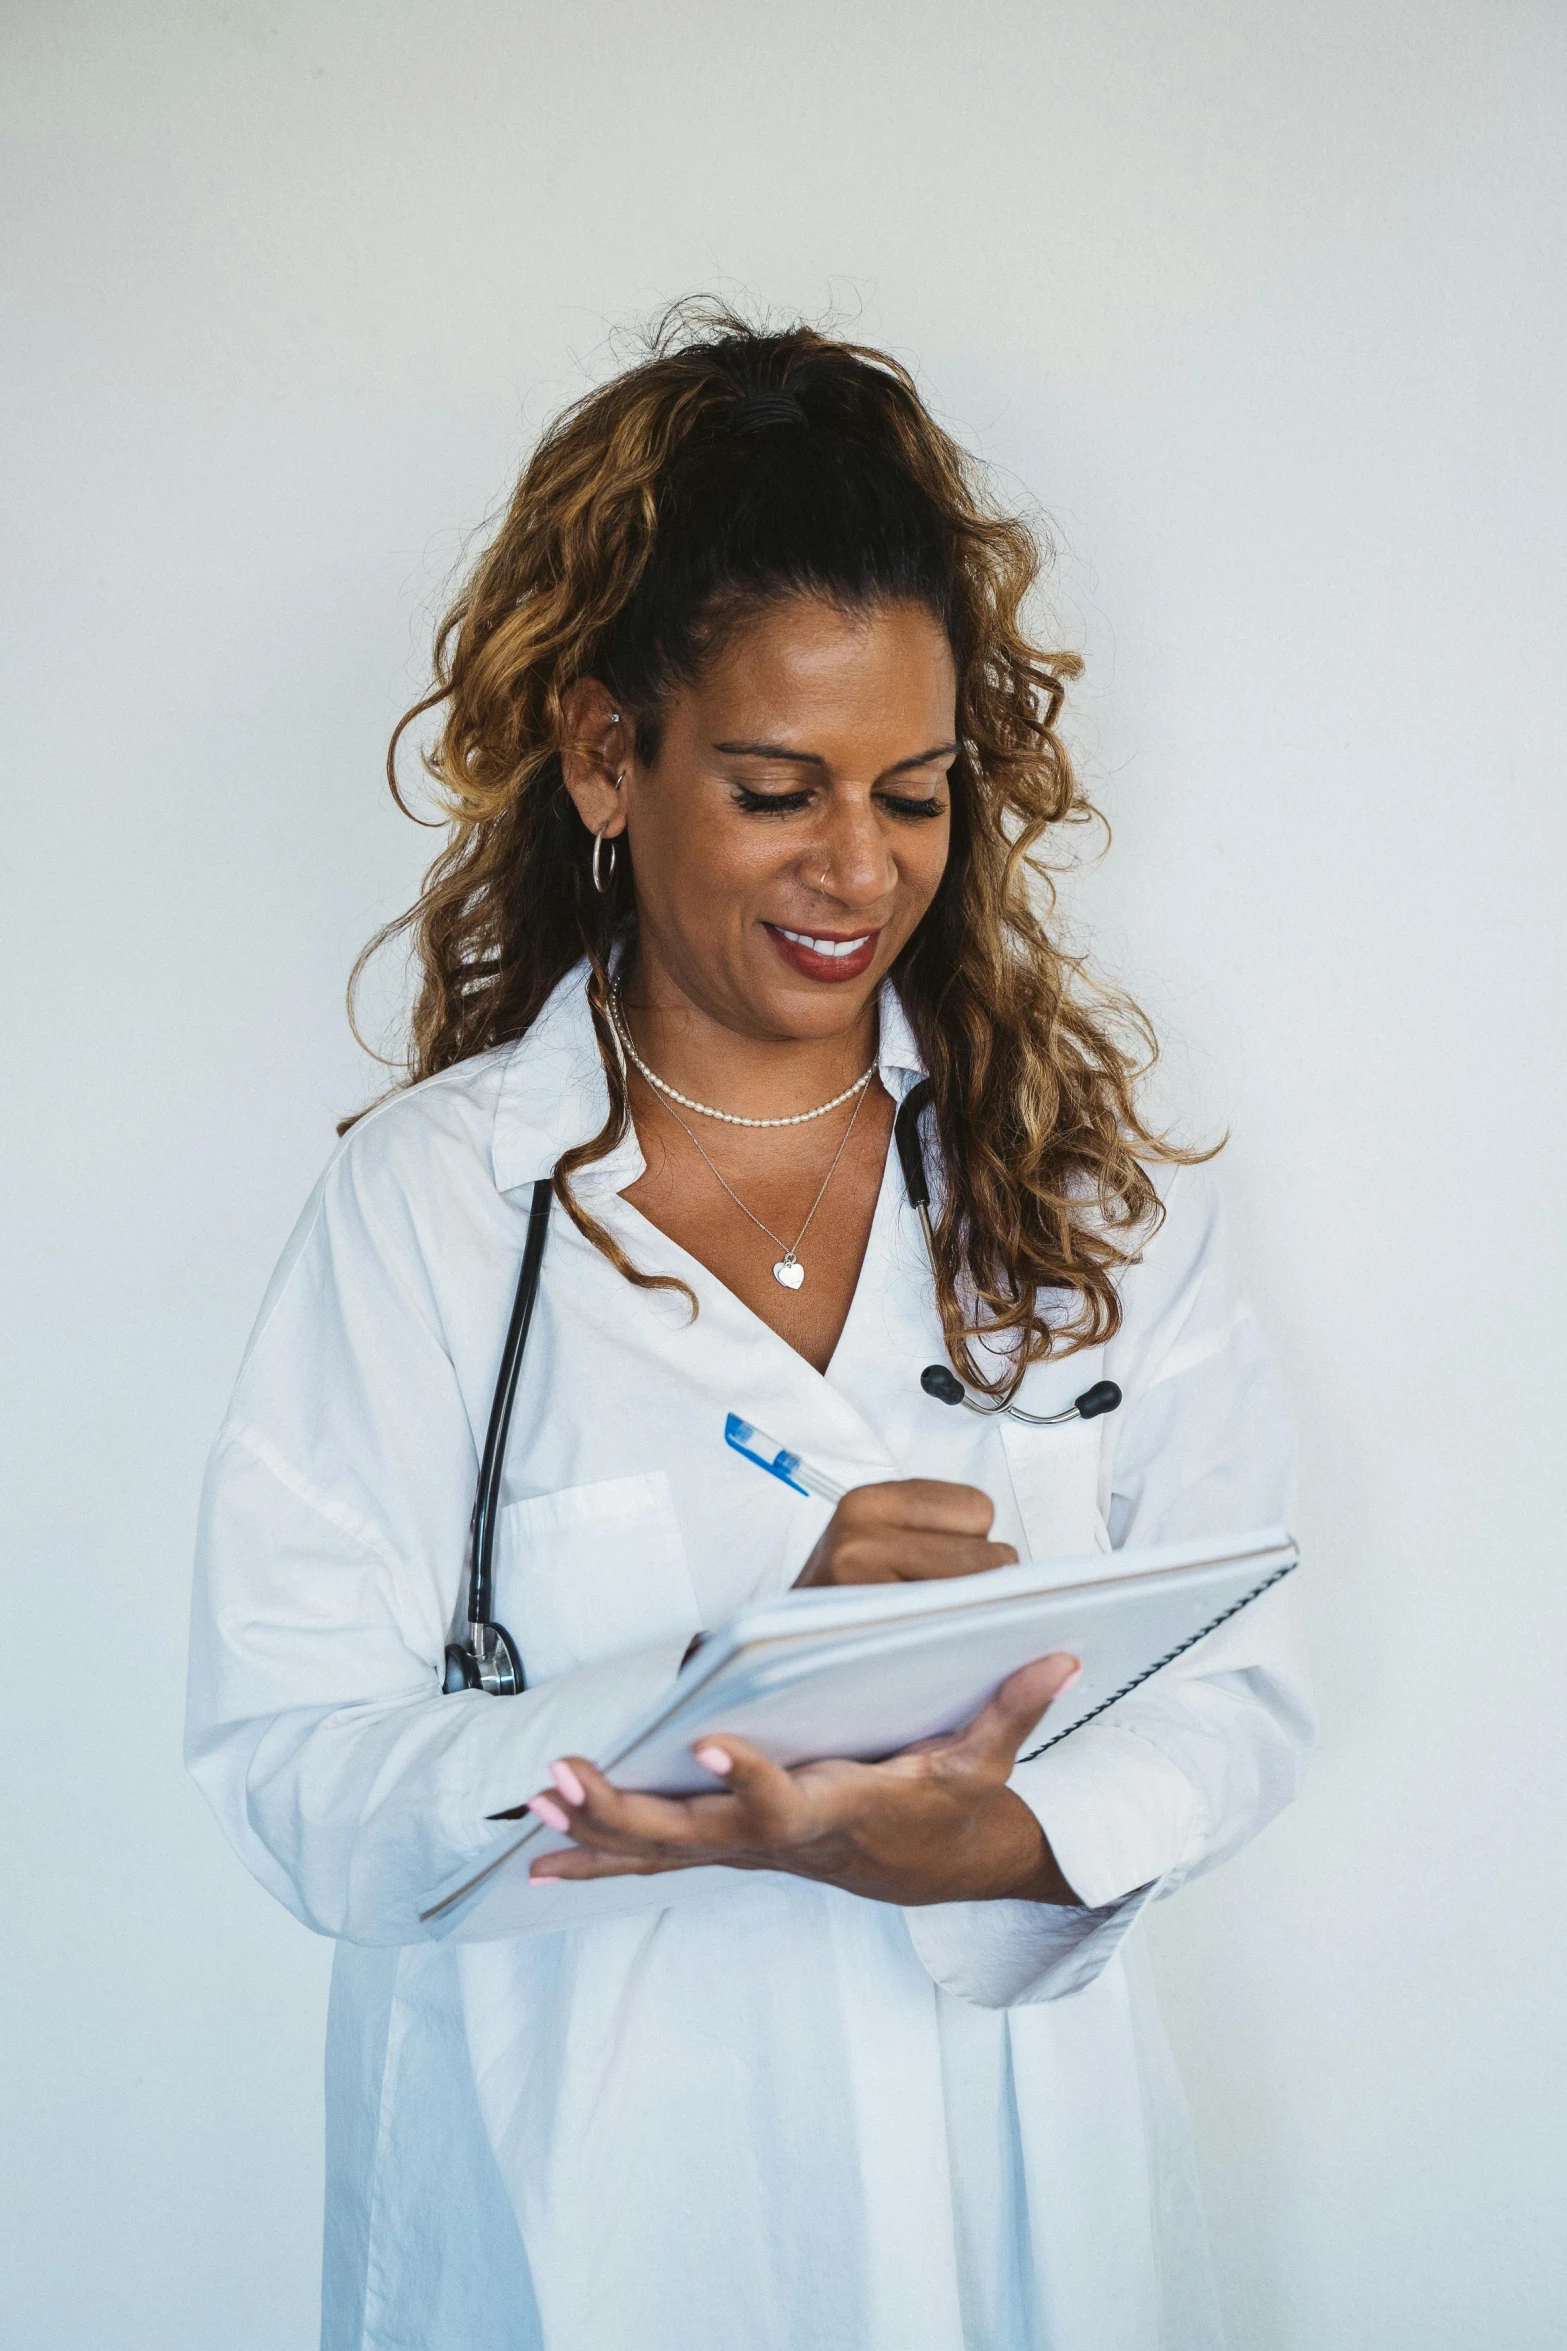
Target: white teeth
836, 948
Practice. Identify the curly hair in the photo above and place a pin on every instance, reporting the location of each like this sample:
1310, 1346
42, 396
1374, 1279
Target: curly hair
729, 468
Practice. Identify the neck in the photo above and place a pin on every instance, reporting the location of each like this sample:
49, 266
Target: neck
715, 1057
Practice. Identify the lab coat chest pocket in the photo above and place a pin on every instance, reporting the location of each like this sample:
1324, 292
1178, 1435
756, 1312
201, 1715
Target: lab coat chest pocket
1055, 1477
592, 1571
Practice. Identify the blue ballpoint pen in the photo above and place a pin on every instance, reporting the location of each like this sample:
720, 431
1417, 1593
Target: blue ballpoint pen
778, 1461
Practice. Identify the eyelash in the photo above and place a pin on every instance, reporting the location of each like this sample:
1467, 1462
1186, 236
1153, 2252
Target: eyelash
752, 803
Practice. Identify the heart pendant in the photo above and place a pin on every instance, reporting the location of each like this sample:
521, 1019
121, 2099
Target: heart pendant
789, 1272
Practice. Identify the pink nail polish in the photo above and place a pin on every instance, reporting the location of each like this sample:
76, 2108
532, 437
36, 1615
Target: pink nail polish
715, 1760
568, 1783
548, 1811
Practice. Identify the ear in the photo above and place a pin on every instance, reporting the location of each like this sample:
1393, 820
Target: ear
595, 755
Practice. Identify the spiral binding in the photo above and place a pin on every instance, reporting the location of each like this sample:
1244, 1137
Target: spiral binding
1159, 1664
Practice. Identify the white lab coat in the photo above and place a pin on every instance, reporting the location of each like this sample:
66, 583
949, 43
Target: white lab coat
776, 2117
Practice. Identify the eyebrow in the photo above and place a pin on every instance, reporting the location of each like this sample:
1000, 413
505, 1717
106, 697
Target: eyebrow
815, 759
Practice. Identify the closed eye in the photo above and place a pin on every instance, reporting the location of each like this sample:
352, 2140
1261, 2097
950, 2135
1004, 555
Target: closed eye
752, 803
903, 805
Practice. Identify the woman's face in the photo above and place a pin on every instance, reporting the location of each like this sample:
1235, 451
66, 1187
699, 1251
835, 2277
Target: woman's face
795, 825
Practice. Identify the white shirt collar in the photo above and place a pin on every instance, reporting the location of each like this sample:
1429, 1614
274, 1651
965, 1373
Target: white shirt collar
552, 1093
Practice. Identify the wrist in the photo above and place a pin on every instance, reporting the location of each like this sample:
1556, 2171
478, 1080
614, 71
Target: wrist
1035, 1874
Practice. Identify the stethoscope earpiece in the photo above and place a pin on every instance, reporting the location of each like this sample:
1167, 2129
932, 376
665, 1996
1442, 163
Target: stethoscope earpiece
1103, 1396
947, 1388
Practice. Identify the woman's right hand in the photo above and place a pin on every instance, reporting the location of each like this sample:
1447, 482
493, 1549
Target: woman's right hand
904, 1532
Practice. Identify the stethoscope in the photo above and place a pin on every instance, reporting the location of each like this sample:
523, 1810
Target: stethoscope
490, 1659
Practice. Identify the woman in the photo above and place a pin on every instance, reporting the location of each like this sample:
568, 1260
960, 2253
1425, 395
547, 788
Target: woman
746, 754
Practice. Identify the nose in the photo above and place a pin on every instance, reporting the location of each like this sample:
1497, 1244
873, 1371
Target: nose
853, 862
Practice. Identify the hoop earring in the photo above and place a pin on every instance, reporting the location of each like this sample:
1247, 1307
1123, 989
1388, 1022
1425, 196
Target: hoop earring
601, 881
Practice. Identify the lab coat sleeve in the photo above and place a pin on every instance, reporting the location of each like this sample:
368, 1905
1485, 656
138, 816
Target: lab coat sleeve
1184, 1772
330, 1559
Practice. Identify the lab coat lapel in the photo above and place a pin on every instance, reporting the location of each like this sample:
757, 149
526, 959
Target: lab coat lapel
892, 1329
553, 1096
856, 1421
743, 1366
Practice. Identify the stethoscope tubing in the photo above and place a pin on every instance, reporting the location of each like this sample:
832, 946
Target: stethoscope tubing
487, 1497
937, 1379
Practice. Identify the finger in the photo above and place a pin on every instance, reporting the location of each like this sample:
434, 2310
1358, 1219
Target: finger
935, 1503
769, 1803
887, 1555
578, 1862
993, 1738
614, 1819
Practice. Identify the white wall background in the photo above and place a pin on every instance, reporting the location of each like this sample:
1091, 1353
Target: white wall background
1264, 302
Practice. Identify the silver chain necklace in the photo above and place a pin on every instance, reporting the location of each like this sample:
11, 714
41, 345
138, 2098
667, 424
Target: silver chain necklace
788, 1270
705, 1109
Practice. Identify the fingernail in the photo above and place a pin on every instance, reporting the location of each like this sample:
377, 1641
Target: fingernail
545, 1877
1075, 1675
548, 1811
568, 1783
715, 1760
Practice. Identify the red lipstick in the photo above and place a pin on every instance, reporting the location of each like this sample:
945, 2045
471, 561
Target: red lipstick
810, 953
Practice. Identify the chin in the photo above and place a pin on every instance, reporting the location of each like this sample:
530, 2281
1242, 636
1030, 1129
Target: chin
806, 1008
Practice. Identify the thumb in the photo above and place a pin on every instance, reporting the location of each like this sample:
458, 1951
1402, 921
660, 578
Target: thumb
1004, 1722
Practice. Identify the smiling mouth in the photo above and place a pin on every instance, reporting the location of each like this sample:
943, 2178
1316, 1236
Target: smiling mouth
824, 957
838, 948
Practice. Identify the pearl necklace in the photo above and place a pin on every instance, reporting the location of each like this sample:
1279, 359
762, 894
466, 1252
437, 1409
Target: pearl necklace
705, 1109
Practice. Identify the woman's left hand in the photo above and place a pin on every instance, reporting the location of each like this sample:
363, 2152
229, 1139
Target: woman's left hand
936, 1823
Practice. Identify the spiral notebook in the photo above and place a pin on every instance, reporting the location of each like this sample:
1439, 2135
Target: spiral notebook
863, 1670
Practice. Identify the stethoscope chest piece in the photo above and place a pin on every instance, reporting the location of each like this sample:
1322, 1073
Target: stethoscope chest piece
487, 1661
